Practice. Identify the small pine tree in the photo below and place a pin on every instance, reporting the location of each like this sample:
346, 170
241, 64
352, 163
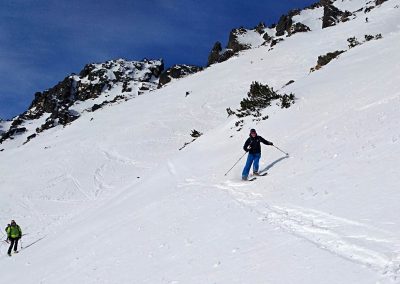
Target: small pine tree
260, 97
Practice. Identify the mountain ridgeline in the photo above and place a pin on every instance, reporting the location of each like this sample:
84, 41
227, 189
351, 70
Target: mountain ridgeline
107, 83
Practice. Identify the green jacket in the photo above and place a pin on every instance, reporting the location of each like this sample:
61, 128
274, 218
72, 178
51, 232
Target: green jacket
14, 232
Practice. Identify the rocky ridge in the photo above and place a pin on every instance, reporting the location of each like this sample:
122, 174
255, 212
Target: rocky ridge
106, 83
288, 25
96, 85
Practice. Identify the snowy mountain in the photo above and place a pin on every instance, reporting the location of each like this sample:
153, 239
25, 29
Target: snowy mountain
97, 85
110, 198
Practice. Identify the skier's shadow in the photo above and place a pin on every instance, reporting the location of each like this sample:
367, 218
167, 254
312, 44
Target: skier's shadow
274, 163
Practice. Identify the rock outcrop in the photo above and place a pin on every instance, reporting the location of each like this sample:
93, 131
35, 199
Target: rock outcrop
218, 54
176, 72
104, 81
332, 15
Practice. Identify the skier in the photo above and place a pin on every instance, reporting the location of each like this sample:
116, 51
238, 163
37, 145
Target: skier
253, 146
14, 233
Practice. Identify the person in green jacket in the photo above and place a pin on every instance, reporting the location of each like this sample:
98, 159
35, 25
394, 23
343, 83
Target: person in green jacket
14, 233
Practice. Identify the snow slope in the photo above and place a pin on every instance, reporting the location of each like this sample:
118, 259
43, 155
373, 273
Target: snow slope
111, 199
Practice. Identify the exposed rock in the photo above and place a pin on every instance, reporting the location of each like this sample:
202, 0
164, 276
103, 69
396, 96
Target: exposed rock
275, 41
217, 56
267, 37
299, 28
332, 15
30, 137
314, 6
288, 83
379, 2
50, 123
93, 81
260, 28
195, 133
368, 9
346, 16
96, 107
284, 24
233, 43
325, 59
176, 72
325, 2
12, 132
214, 55
16, 122
49, 101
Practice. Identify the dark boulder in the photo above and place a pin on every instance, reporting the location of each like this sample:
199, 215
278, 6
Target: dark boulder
379, 2
299, 28
325, 59
96, 107
30, 137
267, 37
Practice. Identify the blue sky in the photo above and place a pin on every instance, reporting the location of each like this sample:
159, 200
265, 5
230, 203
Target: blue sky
41, 42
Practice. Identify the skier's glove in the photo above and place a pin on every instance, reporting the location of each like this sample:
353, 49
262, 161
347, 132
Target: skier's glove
271, 144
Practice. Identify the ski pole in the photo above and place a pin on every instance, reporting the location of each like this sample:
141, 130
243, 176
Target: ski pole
287, 154
236, 163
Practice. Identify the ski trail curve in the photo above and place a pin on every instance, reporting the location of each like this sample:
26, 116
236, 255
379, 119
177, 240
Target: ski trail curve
357, 242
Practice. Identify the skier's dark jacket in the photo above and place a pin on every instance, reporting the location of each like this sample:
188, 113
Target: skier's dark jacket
254, 143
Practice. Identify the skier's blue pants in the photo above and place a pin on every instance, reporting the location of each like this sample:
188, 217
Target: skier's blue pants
251, 159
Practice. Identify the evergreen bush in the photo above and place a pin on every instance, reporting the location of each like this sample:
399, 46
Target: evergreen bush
258, 98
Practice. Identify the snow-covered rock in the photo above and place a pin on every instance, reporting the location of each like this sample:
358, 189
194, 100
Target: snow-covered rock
176, 72
95, 86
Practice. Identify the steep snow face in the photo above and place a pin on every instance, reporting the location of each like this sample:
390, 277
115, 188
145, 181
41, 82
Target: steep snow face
250, 38
111, 199
353, 6
312, 18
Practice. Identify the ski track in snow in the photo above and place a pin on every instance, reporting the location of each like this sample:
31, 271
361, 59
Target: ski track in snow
355, 241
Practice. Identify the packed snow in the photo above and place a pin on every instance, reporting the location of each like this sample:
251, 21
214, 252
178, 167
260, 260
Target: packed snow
111, 199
